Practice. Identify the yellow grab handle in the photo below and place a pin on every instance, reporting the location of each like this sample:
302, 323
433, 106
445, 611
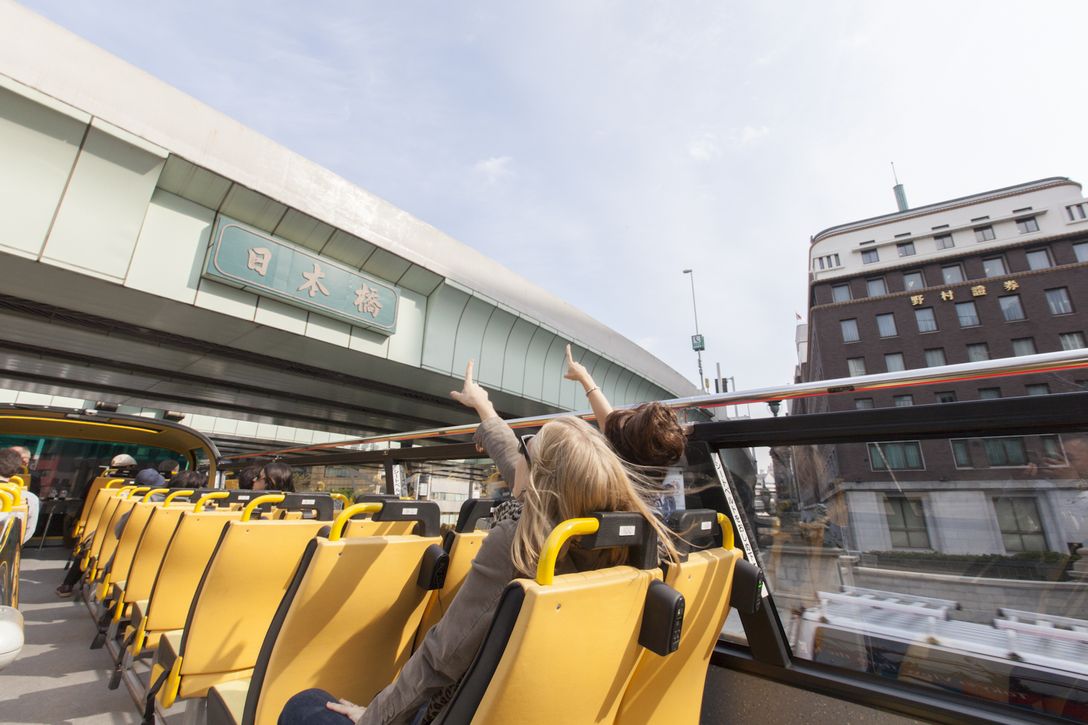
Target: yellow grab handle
209, 497
347, 514
173, 684
119, 610
545, 568
341, 498
153, 492
18, 481
6, 501
125, 491
727, 531
174, 494
133, 491
110, 483
14, 490
264, 498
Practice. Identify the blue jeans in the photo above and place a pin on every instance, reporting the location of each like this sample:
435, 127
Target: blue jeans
308, 708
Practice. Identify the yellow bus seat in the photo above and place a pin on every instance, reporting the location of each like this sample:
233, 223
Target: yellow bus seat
91, 499
563, 648
387, 521
670, 689
243, 584
147, 557
109, 538
98, 525
357, 600
461, 543
116, 571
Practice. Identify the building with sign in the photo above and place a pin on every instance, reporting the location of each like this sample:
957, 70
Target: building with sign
997, 274
158, 254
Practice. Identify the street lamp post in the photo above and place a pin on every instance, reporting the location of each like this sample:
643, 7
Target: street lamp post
697, 343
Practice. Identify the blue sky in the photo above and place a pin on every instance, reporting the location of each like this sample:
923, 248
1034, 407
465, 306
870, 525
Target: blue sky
599, 148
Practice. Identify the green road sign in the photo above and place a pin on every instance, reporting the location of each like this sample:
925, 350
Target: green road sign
697, 343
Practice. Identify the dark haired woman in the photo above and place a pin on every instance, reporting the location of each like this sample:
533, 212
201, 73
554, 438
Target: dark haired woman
247, 476
274, 476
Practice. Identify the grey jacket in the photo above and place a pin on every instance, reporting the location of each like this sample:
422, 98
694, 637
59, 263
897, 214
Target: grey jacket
448, 649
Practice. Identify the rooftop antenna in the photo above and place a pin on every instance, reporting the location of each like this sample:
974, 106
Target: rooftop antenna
900, 194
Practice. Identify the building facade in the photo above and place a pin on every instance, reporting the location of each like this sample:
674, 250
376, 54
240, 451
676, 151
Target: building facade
992, 275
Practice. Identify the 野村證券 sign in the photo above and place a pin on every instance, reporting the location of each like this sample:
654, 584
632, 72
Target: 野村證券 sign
242, 257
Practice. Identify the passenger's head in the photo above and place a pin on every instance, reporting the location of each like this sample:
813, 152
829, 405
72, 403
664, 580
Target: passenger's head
247, 475
122, 460
168, 467
150, 477
11, 462
188, 479
274, 476
24, 455
569, 471
649, 435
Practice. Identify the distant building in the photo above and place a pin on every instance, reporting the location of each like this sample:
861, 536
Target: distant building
992, 275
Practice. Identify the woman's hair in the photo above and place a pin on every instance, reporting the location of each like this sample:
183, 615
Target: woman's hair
278, 477
574, 473
187, 479
10, 462
649, 435
246, 476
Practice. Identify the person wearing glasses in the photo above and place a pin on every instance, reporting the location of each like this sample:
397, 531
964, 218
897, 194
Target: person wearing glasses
567, 470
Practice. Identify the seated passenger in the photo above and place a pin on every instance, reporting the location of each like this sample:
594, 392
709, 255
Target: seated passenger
649, 437
11, 464
274, 476
565, 471
187, 479
247, 476
122, 465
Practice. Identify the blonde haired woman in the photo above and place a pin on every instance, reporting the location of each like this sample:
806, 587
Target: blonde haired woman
565, 471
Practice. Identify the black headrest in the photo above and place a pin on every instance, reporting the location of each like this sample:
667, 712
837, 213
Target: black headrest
623, 528
320, 504
696, 530
374, 497
426, 514
472, 511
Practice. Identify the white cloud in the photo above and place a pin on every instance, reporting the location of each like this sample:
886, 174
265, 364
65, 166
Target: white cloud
704, 148
494, 168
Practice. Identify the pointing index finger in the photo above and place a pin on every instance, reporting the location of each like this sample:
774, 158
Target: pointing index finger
468, 372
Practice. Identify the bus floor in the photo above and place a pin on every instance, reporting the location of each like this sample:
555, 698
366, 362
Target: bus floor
57, 677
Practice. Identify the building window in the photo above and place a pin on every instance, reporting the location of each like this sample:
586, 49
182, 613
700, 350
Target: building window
886, 324
1058, 301
913, 281
989, 393
869, 256
1037, 389
927, 321
1027, 225
984, 234
1072, 340
945, 397
1077, 212
994, 267
952, 274
863, 403
849, 330
902, 456
1039, 259
944, 241
1023, 346
876, 287
1011, 308
903, 401
856, 366
1005, 452
906, 522
1052, 450
905, 249
893, 362
1021, 525
967, 314
829, 261
935, 357
977, 352
840, 293
1081, 251
961, 452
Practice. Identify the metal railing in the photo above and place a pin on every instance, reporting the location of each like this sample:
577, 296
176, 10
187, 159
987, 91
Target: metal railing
1050, 362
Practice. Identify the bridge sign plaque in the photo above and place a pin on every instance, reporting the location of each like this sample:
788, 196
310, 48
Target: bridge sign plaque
243, 257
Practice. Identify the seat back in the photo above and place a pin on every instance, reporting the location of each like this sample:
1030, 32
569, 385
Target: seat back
357, 600
243, 583
109, 538
670, 689
523, 672
125, 551
150, 550
105, 497
99, 529
91, 500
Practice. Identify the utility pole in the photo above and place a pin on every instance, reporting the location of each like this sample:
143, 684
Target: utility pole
697, 342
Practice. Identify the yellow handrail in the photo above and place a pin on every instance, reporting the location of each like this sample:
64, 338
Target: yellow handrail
545, 568
112, 481
174, 494
153, 492
264, 498
727, 531
125, 490
14, 489
6, 501
17, 480
214, 495
134, 491
341, 498
347, 514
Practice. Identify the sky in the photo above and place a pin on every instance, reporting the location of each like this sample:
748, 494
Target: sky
599, 148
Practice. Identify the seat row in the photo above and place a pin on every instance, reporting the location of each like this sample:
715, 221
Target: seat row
235, 600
